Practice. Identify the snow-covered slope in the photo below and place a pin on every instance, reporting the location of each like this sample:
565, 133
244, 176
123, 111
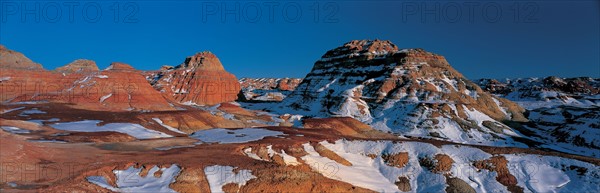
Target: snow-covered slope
532, 173
566, 128
564, 113
533, 93
405, 91
386, 166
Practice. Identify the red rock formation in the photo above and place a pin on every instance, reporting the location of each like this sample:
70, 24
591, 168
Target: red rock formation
77, 66
119, 66
266, 89
26, 85
288, 84
121, 88
10, 59
200, 79
204, 61
282, 84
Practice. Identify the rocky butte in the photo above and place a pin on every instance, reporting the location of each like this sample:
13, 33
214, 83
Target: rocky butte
408, 91
200, 79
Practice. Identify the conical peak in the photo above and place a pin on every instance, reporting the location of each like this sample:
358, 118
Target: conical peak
120, 67
203, 61
79, 65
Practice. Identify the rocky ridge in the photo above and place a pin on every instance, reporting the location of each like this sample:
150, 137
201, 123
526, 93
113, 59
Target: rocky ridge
551, 91
267, 89
283, 84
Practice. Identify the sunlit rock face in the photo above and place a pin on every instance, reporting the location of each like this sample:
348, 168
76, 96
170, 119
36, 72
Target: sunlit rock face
81, 85
10, 59
78, 66
266, 89
407, 91
200, 79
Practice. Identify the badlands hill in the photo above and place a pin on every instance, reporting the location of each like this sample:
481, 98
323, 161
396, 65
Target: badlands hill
78, 66
118, 88
563, 113
409, 92
200, 79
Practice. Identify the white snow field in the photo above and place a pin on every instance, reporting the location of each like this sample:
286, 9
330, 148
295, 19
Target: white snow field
135, 130
218, 176
534, 173
129, 180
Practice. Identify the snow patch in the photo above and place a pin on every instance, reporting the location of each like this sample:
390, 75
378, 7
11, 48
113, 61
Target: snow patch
103, 98
362, 173
135, 130
11, 110
218, 176
129, 180
15, 130
248, 152
167, 126
28, 112
536, 175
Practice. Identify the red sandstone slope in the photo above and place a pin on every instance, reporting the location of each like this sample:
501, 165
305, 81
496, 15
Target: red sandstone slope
22, 78
10, 59
80, 65
119, 88
200, 79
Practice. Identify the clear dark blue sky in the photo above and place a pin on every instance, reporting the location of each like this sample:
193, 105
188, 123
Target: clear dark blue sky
527, 38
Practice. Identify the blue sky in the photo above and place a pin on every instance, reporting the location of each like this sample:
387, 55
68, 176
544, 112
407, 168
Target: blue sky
523, 39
